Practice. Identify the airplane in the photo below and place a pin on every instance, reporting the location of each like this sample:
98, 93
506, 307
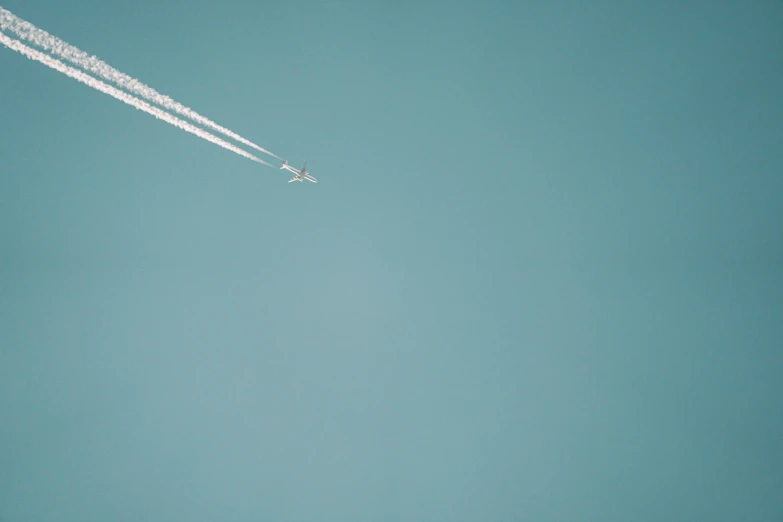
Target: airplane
299, 175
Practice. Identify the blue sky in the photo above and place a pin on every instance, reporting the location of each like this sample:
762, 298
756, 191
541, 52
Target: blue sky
539, 277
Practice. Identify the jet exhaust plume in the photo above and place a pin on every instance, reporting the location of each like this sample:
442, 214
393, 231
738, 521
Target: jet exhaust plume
122, 96
40, 38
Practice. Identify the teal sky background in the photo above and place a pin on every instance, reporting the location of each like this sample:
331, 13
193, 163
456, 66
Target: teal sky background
539, 278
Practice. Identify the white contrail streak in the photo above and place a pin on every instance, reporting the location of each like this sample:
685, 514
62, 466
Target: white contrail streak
39, 37
121, 95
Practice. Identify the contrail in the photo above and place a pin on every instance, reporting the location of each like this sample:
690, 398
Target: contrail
121, 95
39, 37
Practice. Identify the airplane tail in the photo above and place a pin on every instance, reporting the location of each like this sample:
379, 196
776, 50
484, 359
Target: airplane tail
285, 164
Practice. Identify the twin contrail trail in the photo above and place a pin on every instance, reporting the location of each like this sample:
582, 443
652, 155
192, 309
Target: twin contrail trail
122, 96
40, 38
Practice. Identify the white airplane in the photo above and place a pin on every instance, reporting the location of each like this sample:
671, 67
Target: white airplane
299, 175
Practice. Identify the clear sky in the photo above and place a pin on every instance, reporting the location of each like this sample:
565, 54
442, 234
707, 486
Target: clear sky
539, 278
